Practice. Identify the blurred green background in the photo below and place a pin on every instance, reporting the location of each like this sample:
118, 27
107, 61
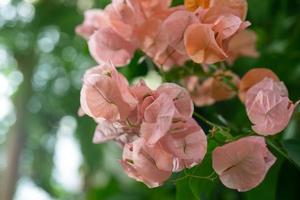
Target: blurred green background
46, 150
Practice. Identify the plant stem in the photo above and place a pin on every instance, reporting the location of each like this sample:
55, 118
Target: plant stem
211, 124
210, 177
281, 152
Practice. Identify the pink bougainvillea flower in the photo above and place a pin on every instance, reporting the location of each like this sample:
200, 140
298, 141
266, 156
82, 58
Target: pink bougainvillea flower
152, 41
268, 107
200, 91
201, 44
175, 25
181, 98
105, 94
106, 46
253, 77
226, 26
242, 44
223, 85
207, 41
170, 58
157, 118
154, 6
186, 141
213, 89
236, 7
243, 164
150, 165
106, 131
93, 20
157, 109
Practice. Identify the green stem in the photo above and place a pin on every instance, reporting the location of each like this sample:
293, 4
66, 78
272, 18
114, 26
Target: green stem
210, 177
225, 130
281, 152
211, 124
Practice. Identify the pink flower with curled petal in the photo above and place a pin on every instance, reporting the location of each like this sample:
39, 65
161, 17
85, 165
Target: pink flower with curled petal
150, 165
213, 89
236, 7
207, 41
243, 164
186, 141
107, 46
106, 131
242, 44
253, 77
181, 98
175, 25
154, 6
105, 94
170, 58
201, 44
268, 107
157, 118
93, 20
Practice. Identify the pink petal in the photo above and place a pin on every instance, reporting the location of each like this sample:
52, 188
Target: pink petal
268, 107
157, 119
227, 25
105, 94
140, 165
243, 164
201, 45
242, 44
253, 77
180, 97
106, 131
175, 26
236, 7
187, 143
93, 20
107, 46
270, 113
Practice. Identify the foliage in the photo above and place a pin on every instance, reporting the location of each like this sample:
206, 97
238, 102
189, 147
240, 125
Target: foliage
45, 103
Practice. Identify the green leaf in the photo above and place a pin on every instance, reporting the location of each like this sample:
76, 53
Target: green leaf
292, 147
183, 190
202, 188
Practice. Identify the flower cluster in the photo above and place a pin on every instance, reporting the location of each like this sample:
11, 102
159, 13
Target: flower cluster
155, 128
169, 35
268, 105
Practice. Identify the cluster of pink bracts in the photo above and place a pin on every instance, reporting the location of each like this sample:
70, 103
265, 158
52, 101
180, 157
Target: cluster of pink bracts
155, 127
169, 35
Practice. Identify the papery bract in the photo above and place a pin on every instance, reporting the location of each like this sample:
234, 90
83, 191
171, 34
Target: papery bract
186, 141
201, 45
217, 88
158, 117
175, 25
106, 46
106, 131
181, 98
105, 94
93, 20
243, 164
242, 44
253, 77
154, 6
236, 7
143, 163
268, 107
